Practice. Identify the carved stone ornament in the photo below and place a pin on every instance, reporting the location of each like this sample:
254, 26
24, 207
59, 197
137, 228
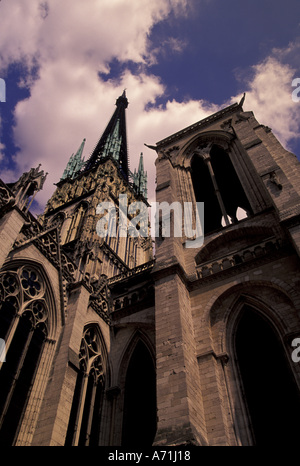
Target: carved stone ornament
275, 180
90, 357
204, 151
23, 290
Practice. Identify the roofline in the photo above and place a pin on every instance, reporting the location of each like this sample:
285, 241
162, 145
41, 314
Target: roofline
202, 123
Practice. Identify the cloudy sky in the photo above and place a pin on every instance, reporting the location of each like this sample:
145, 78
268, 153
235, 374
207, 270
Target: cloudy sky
66, 62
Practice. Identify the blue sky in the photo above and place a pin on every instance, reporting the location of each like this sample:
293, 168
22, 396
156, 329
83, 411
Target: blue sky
65, 63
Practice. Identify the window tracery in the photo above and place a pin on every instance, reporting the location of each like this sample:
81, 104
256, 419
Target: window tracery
24, 317
90, 356
85, 417
23, 291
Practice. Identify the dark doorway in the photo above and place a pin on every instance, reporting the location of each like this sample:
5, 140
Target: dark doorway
139, 422
270, 390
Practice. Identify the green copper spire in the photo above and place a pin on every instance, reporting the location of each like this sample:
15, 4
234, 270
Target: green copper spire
140, 178
74, 164
113, 142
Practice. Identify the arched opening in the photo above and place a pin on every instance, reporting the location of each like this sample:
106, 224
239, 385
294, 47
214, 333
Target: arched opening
24, 324
217, 184
269, 389
204, 192
86, 411
16, 377
139, 421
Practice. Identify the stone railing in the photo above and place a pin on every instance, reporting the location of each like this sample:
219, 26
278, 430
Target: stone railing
141, 268
239, 257
138, 297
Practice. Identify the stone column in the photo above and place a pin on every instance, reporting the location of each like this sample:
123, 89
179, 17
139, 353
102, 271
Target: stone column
179, 398
204, 153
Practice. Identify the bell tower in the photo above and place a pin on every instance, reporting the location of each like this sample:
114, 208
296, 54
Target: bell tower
246, 265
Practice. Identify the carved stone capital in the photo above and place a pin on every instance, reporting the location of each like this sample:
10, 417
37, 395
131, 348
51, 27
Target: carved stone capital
204, 152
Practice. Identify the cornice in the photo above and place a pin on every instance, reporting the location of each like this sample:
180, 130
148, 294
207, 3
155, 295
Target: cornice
200, 124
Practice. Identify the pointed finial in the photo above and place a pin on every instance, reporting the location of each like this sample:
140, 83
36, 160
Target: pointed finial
242, 100
151, 147
75, 163
122, 100
140, 178
141, 163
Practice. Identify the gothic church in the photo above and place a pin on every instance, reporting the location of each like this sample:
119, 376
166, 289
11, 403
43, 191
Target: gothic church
109, 344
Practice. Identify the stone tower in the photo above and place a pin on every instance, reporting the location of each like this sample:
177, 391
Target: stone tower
227, 312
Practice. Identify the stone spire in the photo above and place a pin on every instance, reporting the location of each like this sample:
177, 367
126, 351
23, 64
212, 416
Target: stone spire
140, 178
74, 164
113, 142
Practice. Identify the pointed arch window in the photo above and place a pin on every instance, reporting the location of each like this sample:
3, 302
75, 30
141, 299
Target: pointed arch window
269, 389
77, 222
85, 417
24, 328
217, 184
139, 419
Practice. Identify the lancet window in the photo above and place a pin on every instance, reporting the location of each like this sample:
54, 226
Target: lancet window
24, 328
85, 417
217, 184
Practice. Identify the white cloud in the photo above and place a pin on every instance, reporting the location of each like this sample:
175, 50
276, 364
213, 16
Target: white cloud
90, 32
269, 95
53, 122
70, 43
